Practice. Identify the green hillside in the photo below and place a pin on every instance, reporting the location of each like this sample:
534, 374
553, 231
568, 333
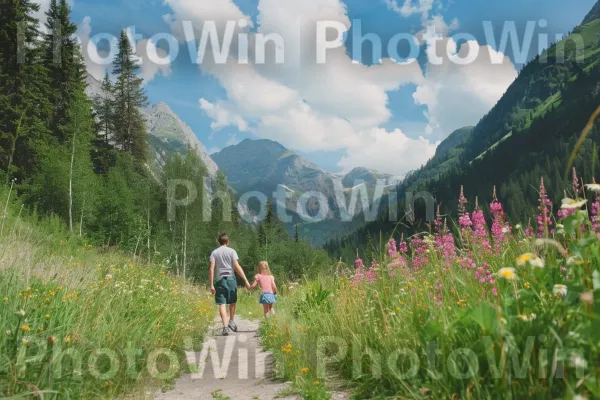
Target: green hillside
530, 133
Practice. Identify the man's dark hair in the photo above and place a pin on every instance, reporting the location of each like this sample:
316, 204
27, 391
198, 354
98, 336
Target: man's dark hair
223, 239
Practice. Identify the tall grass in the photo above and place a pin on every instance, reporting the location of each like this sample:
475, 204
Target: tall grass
440, 331
76, 322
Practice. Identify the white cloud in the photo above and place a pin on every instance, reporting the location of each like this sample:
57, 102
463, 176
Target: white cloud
410, 7
151, 59
459, 95
390, 152
339, 105
89, 49
41, 14
221, 116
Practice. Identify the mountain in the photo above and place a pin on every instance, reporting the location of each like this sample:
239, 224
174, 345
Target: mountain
167, 132
593, 14
264, 165
529, 134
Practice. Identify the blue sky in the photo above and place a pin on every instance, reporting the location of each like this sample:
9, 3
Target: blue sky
388, 119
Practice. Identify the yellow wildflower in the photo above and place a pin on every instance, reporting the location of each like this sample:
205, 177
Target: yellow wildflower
25, 328
6, 299
507, 273
304, 370
527, 285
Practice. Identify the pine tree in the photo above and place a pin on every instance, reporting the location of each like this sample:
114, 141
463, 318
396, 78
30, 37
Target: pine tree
129, 97
103, 154
64, 64
23, 102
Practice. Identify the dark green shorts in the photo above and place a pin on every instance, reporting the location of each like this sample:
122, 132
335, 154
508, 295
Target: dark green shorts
226, 290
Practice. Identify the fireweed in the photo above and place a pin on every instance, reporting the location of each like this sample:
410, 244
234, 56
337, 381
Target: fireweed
525, 302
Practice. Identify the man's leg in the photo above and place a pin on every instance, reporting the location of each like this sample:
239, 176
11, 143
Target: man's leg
223, 313
231, 311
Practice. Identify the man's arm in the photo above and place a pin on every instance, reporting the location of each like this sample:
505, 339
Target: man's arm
240, 272
211, 276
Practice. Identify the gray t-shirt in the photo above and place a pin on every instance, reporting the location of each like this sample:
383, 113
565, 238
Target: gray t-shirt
224, 257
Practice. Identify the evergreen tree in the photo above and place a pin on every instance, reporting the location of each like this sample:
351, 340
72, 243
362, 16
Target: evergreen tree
23, 101
64, 64
129, 98
104, 105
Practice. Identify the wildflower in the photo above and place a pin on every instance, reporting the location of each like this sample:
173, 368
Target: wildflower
304, 370
495, 291
574, 260
587, 297
507, 273
68, 339
531, 259
572, 204
461, 303
20, 313
593, 187
25, 328
6, 299
499, 226
527, 285
518, 226
560, 290
48, 316
107, 384
545, 209
51, 340
108, 277
315, 383
391, 248
463, 216
527, 318
577, 361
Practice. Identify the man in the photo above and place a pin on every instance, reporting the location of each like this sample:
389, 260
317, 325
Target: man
225, 286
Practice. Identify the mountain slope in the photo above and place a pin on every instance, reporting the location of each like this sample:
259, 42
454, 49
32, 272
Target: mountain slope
264, 165
529, 134
167, 132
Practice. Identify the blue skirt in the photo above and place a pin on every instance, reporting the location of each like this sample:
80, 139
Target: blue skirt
267, 298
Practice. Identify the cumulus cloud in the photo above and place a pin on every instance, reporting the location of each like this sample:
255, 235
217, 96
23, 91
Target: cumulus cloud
221, 116
459, 95
392, 152
339, 105
151, 59
91, 54
410, 7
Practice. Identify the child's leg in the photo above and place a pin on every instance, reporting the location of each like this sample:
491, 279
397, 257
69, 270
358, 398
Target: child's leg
266, 309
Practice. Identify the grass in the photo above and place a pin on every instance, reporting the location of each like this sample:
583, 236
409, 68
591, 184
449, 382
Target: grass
76, 322
439, 331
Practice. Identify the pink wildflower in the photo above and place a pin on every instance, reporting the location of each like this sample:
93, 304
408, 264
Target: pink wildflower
500, 227
480, 228
392, 251
545, 209
463, 216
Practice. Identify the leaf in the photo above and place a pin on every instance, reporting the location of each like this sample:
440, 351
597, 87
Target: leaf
485, 315
573, 222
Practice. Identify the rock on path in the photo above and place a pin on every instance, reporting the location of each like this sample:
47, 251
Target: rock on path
229, 367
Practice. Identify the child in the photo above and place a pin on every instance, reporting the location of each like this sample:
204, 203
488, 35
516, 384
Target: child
265, 279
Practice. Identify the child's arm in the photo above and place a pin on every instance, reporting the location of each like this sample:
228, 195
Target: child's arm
274, 286
254, 283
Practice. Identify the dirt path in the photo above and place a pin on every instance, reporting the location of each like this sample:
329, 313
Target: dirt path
229, 367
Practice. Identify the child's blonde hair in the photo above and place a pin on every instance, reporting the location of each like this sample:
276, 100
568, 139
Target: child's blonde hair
264, 266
